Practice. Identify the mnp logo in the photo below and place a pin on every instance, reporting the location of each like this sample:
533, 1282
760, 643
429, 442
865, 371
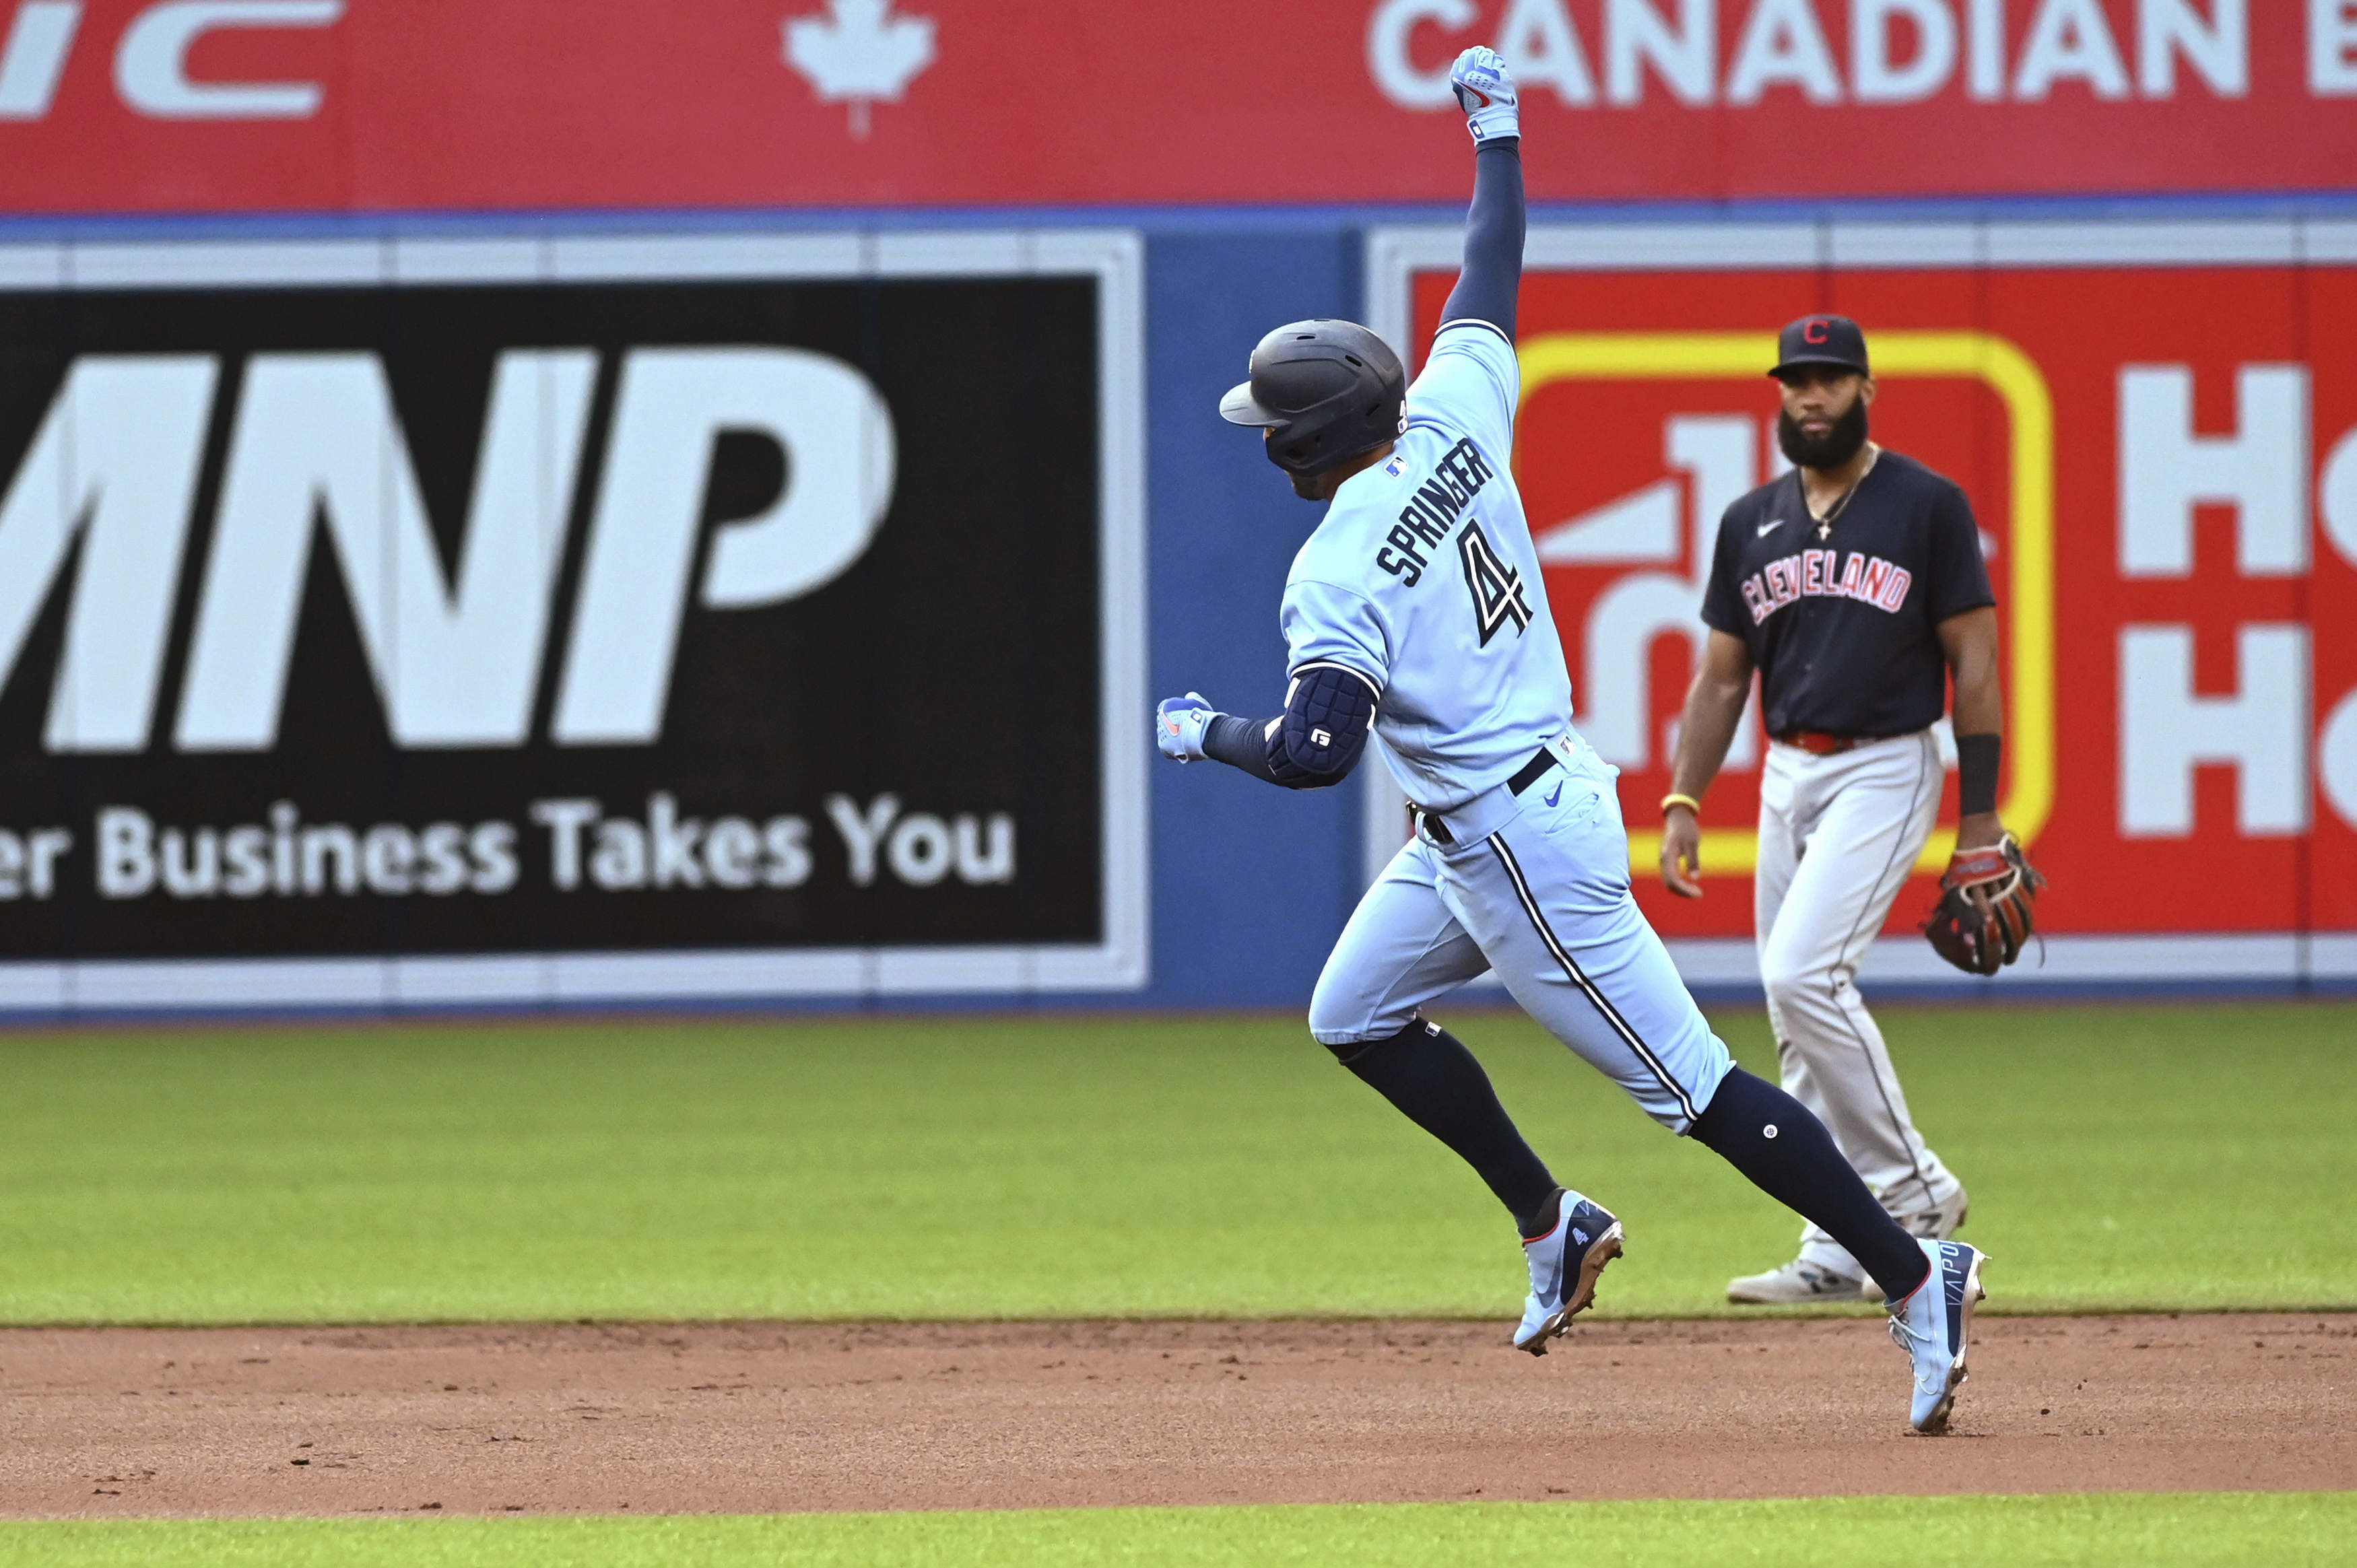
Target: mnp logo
316, 456
563, 596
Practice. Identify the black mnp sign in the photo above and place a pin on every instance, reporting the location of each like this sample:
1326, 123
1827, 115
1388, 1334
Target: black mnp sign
545, 619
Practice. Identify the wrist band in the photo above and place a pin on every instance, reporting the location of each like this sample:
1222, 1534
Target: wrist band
1688, 801
1976, 766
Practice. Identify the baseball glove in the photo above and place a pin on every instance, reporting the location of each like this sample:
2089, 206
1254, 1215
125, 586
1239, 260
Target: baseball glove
1988, 901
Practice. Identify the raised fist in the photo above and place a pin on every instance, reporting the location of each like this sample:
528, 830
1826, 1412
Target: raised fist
1485, 90
1178, 726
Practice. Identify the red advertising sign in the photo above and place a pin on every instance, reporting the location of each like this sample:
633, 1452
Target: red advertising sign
2160, 446
309, 105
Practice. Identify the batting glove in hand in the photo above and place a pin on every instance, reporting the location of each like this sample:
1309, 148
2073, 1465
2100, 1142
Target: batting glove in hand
1485, 90
1179, 724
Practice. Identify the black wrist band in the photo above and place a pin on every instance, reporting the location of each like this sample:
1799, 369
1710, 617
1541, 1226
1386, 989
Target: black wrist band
1976, 761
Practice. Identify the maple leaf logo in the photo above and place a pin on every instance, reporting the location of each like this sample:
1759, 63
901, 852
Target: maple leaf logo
858, 52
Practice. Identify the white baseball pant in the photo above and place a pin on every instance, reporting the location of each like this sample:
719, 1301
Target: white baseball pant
1838, 835
1536, 887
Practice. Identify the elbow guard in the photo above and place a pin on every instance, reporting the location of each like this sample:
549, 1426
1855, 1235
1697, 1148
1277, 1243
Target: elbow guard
1327, 716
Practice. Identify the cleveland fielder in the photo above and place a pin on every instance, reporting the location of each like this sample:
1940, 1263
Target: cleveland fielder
1855, 586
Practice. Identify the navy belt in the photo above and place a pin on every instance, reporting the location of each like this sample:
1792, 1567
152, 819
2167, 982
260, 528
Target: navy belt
1543, 761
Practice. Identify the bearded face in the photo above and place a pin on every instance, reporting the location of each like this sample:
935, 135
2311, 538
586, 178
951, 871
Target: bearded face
1829, 449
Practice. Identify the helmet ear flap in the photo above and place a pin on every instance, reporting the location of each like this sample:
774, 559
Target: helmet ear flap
1294, 452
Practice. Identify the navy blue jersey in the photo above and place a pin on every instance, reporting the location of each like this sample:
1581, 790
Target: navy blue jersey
1844, 622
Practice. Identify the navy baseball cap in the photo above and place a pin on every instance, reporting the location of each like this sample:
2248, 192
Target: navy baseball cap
1822, 341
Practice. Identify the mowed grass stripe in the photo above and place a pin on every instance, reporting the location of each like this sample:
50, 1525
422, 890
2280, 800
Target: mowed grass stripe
2181, 1156
2148, 1530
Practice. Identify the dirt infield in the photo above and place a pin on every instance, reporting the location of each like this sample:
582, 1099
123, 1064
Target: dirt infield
766, 1417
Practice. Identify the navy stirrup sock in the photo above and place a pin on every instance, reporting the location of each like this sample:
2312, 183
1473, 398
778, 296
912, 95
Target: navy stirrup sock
1436, 1082
1787, 1154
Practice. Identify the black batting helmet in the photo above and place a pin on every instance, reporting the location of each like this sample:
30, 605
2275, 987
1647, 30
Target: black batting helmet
1326, 391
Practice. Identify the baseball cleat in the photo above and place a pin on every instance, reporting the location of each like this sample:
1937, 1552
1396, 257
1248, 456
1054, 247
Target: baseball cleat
1564, 1260
1798, 1282
1931, 1326
1930, 1225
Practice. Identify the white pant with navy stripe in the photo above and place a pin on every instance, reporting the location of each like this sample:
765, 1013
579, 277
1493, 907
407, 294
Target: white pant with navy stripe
1541, 897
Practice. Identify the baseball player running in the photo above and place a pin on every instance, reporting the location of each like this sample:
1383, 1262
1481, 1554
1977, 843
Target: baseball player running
1417, 610
1854, 585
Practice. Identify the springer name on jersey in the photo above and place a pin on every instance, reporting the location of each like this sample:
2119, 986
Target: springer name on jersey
1422, 579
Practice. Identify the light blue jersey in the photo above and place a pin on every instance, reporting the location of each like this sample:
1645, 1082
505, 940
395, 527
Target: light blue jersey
1423, 580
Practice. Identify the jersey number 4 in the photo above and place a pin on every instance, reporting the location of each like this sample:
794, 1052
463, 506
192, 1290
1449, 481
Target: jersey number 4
1497, 588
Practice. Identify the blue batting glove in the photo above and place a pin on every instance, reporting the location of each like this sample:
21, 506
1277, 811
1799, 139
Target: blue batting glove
1485, 90
1178, 725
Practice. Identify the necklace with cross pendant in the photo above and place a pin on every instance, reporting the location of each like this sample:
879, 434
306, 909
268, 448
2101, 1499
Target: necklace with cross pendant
1841, 504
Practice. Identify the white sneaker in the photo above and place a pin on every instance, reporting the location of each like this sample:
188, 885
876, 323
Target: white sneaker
1938, 1224
1564, 1260
1797, 1282
1931, 1326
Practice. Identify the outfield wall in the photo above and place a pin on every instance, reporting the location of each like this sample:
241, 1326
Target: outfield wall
683, 526
1209, 889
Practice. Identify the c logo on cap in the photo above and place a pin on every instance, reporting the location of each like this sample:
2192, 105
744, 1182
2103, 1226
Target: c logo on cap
1815, 332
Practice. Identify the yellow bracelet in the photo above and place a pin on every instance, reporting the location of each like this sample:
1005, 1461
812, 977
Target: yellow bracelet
1688, 801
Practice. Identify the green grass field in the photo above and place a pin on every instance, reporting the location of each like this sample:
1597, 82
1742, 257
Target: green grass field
1068, 1166
1064, 1166
2260, 1529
